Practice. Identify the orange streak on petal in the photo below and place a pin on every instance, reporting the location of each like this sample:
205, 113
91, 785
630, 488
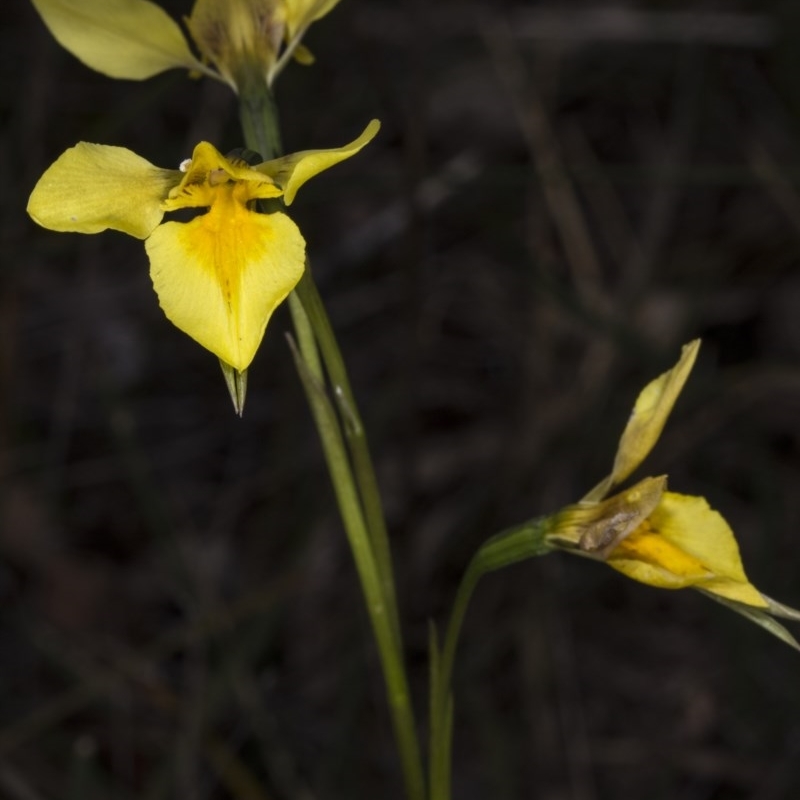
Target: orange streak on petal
220, 276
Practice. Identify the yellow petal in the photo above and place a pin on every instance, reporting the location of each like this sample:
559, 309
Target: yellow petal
132, 39
647, 557
301, 13
292, 171
687, 544
220, 276
302, 55
241, 37
692, 525
92, 187
647, 420
650, 413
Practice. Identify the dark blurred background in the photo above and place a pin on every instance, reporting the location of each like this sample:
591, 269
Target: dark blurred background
561, 195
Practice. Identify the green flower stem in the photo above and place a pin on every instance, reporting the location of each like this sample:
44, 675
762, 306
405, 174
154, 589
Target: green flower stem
356, 438
505, 548
350, 508
305, 337
359, 502
258, 116
441, 699
508, 547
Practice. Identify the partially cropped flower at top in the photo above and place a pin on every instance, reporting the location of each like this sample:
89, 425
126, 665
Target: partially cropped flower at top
244, 40
218, 276
657, 537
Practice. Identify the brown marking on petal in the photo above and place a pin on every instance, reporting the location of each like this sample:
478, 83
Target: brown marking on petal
228, 294
621, 515
210, 38
602, 536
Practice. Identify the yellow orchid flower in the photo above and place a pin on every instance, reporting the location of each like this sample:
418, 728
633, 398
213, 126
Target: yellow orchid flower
245, 40
657, 537
219, 276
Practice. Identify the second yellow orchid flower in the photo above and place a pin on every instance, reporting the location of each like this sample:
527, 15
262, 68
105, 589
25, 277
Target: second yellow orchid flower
657, 537
244, 40
219, 276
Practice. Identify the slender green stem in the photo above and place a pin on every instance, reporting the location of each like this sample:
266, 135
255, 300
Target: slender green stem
258, 116
515, 544
356, 437
305, 337
359, 504
350, 508
441, 693
505, 548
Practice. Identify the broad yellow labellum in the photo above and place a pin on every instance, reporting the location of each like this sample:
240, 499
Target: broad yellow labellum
218, 277
685, 543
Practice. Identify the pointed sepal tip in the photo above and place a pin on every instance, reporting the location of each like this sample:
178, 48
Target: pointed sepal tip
236, 381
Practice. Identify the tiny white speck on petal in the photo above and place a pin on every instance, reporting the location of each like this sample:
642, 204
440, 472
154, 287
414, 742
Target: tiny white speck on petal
185, 164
